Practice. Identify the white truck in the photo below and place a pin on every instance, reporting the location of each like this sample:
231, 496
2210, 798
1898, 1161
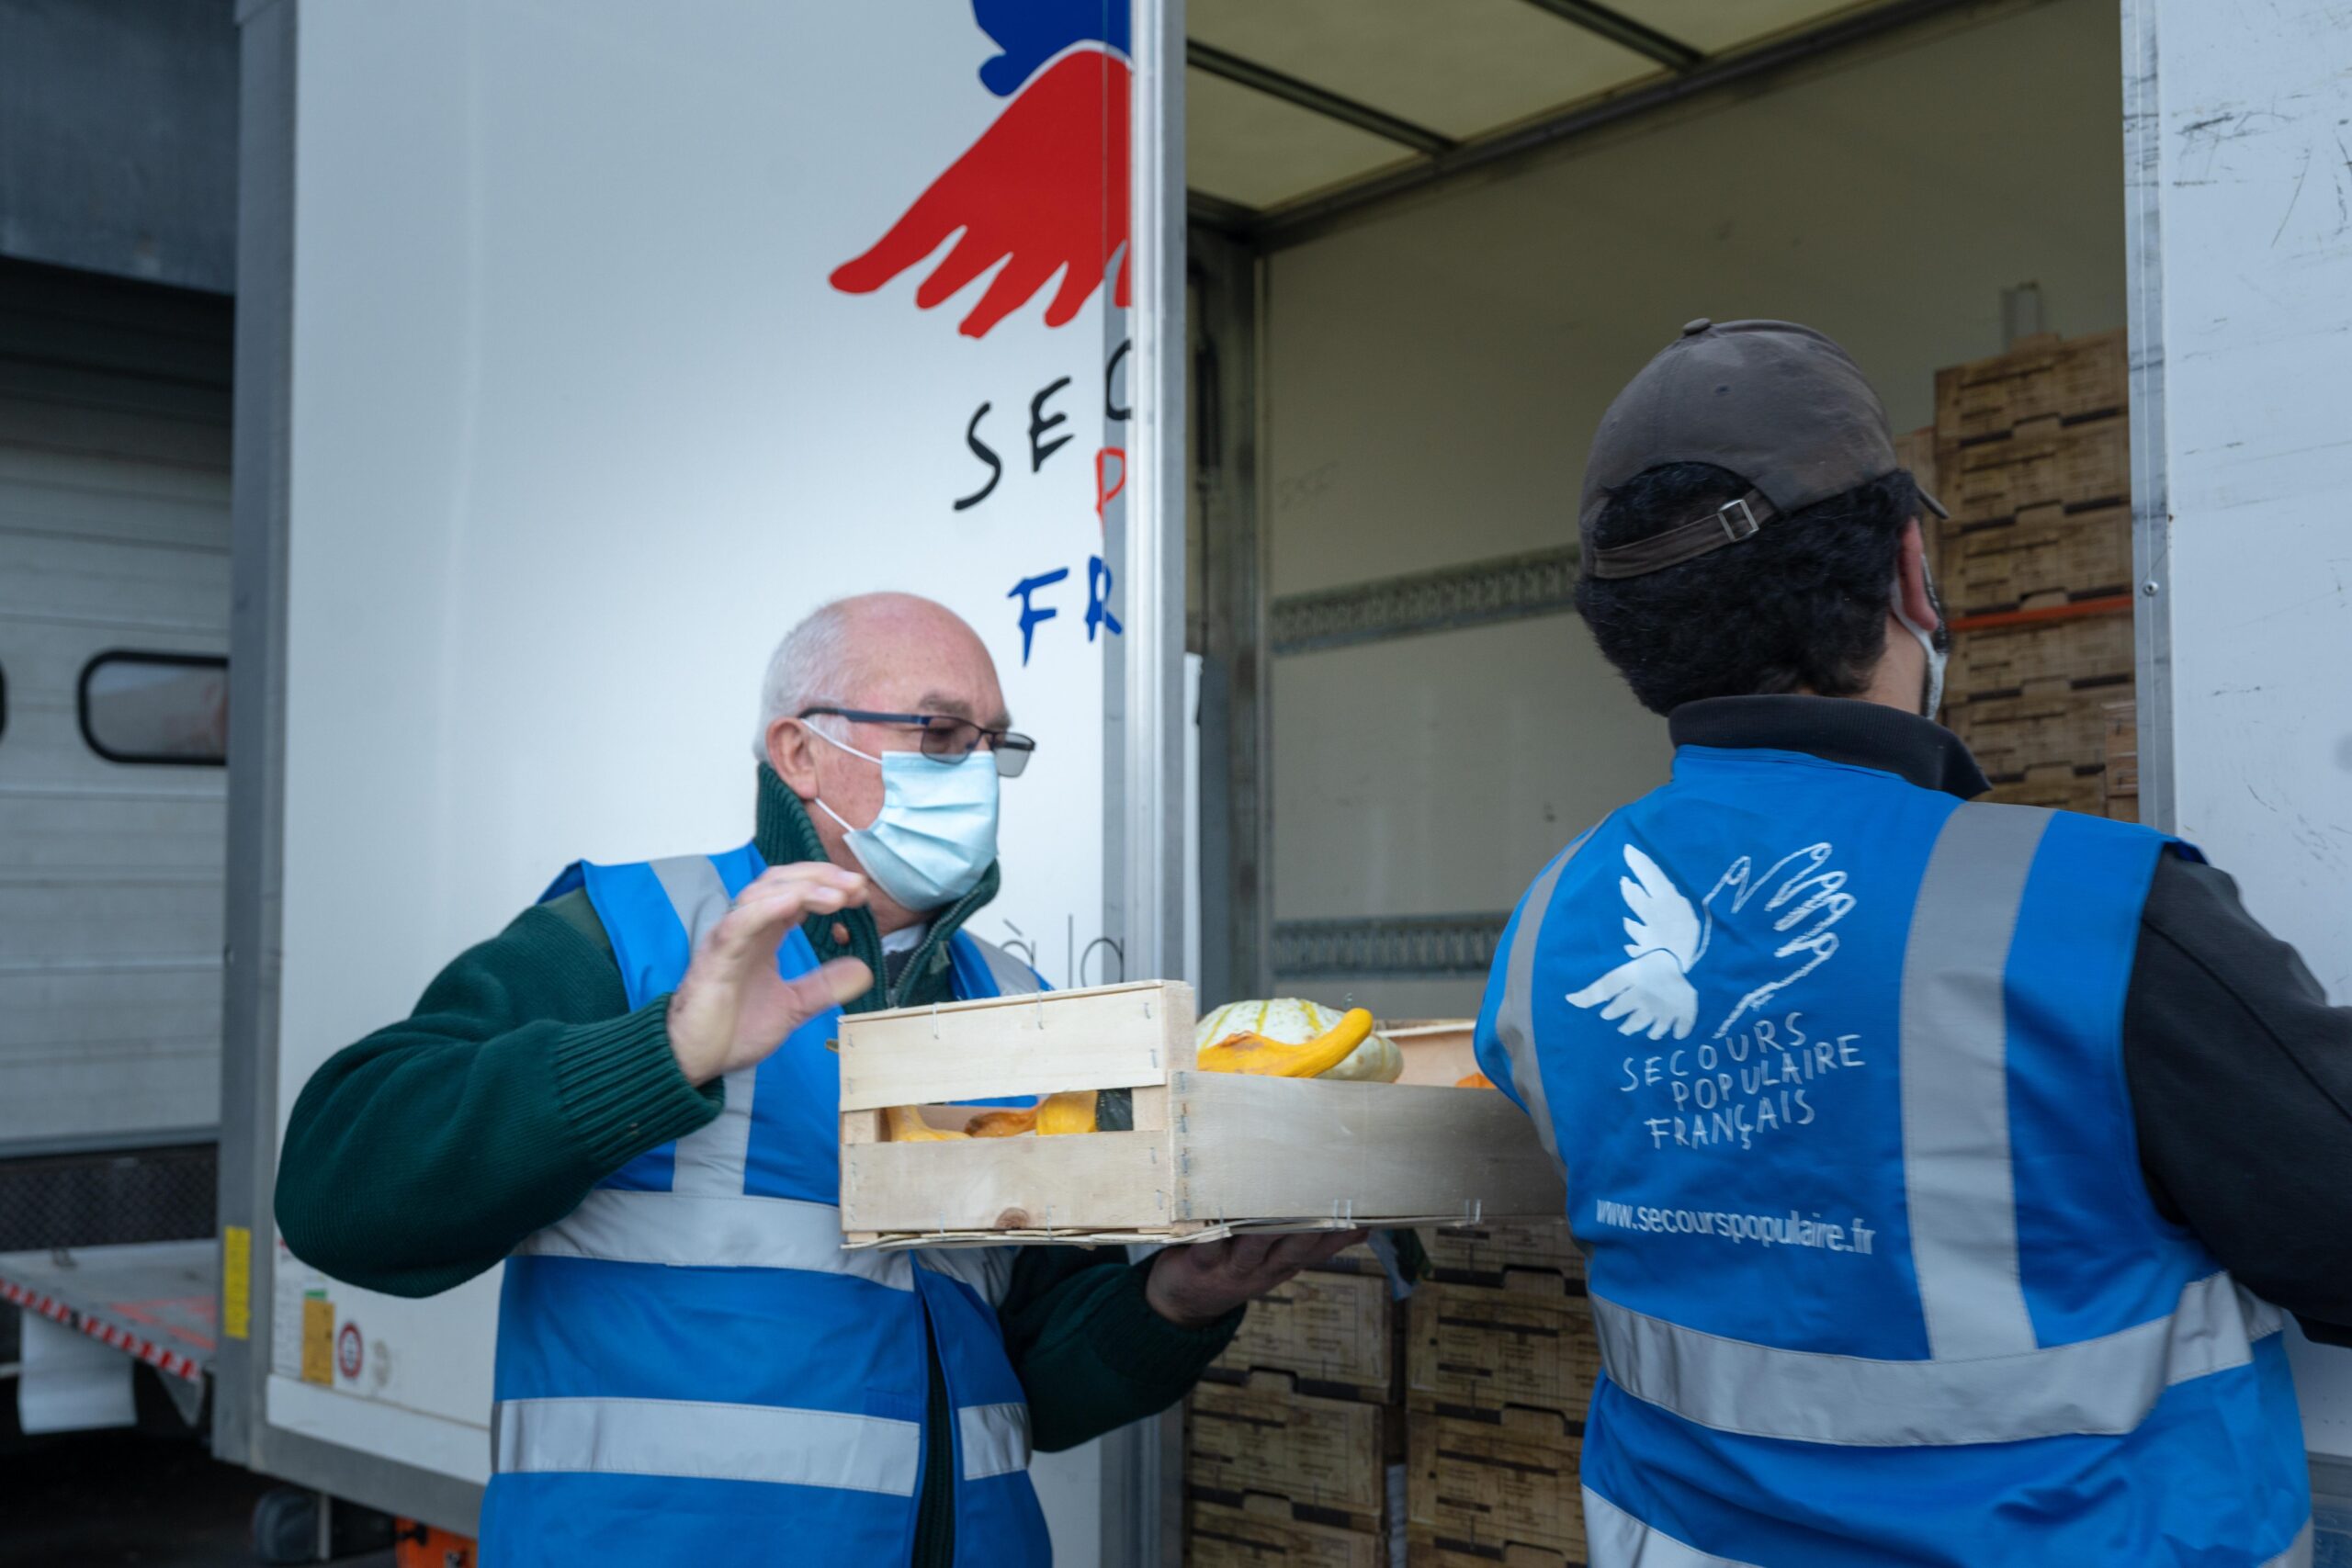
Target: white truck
550, 415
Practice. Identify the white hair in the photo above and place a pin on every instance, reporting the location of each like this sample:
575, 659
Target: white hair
812, 665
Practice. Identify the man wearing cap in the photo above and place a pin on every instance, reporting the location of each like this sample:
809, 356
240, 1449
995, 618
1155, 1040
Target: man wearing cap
1938, 1163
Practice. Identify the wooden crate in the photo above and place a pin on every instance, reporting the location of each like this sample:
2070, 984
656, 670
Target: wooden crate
1475, 1348
2077, 467
1437, 1051
1482, 1252
2120, 749
1209, 1153
2080, 651
2050, 725
2044, 554
1333, 1329
1262, 1532
1266, 1438
2042, 377
2061, 789
1492, 1484
1427, 1548
1917, 452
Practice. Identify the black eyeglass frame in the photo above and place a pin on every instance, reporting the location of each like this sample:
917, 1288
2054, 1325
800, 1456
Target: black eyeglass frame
1010, 747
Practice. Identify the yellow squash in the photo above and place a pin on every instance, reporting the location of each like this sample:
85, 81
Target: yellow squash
907, 1126
1060, 1114
1292, 1020
1271, 1058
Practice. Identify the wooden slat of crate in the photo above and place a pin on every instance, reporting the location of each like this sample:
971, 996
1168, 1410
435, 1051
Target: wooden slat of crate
1263, 1147
1262, 1533
2075, 466
2077, 652
1490, 1485
1916, 452
1107, 1037
2043, 555
2043, 377
2060, 726
1267, 1437
2061, 789
1486, 1250
1332, 1328
1472, 1347
2122, 749
1427, 1548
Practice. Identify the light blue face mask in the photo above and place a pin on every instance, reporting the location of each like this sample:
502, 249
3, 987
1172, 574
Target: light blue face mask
935, 835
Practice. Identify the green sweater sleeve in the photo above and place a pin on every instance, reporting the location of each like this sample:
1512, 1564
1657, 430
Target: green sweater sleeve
1090, 1353
418, 1157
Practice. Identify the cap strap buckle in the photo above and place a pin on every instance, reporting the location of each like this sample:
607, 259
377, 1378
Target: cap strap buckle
1738, 520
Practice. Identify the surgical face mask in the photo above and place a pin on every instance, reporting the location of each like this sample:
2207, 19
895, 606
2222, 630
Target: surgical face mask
935, 835
1935, 642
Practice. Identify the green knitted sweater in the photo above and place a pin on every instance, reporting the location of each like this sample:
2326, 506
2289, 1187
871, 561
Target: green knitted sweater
420, 1157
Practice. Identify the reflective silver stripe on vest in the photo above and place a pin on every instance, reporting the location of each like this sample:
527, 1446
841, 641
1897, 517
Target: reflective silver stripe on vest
1957, 1185
710, 1158
691, 1230
1013, 978
1515, 1018
2297, 1554
707, 1442
1614, 1539
995, 1439
2095, 1387
987, 1270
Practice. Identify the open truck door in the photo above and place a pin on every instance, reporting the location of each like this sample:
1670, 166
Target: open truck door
581, 354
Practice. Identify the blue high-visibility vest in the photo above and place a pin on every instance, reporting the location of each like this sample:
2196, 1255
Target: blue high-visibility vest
1833, 1065
693, 1371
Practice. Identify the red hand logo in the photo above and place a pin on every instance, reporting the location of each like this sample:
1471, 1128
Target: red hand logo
1044, 190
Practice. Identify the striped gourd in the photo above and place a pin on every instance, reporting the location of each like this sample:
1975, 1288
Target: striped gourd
1294, 1022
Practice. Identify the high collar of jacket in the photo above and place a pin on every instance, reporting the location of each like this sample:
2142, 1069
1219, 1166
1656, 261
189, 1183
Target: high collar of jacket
786, 833
1836, 730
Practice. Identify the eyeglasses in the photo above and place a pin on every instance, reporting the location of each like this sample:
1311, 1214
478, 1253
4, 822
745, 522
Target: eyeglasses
946, 740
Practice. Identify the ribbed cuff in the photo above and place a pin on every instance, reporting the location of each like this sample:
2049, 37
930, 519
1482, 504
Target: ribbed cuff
621, 1089
1140, 1345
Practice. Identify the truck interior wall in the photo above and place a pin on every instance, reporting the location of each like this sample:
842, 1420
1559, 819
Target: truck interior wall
1433, 375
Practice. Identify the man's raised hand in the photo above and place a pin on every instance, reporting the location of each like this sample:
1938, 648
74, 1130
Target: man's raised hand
733, 1009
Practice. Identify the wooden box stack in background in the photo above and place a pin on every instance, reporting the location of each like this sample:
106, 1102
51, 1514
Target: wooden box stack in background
1501, 1359
1293, 1438
2032, 458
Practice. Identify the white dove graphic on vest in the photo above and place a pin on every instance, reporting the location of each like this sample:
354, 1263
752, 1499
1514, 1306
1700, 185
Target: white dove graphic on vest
1667, 938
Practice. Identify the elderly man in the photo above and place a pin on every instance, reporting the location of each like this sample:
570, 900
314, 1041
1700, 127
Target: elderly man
627, 1093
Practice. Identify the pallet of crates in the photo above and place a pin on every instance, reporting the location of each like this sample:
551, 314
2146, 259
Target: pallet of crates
2033, 455
1327, 1342
1499, 1366
2121, 751
1289, 1469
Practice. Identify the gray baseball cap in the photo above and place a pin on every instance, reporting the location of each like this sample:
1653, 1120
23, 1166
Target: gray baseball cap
1778, 405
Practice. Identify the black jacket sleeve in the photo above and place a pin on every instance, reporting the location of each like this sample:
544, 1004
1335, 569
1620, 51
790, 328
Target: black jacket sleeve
2240, 1080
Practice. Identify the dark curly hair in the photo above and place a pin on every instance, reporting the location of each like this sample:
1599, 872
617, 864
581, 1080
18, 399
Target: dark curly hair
1800, 606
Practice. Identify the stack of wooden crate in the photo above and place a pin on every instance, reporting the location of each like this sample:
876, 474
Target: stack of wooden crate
1294, 1437
2032, 458
1501, 1361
